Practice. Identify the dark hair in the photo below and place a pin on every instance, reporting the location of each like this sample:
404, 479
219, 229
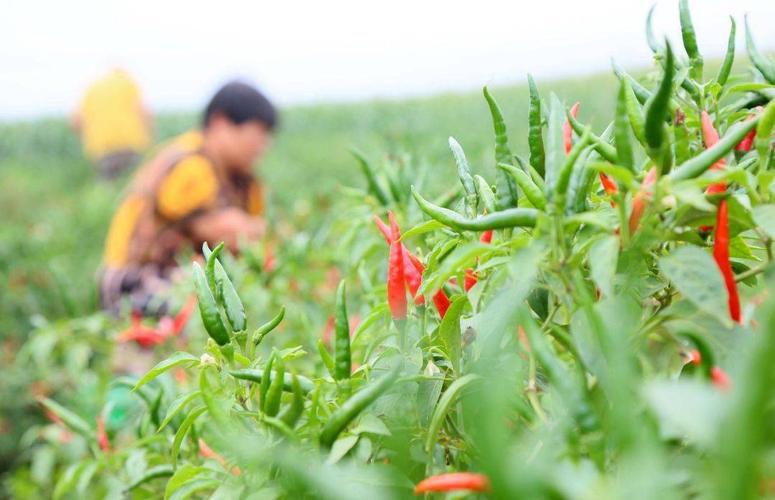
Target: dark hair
239, 103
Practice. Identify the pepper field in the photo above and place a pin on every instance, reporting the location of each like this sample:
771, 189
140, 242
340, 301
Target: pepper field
478, 295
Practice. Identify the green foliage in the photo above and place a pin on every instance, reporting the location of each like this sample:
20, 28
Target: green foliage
566, 369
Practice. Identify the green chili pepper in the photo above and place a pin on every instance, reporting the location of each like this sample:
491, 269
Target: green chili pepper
325, 356
554, 146
690, 41
641, 92
764, 135
657, 109
235, 311
535, 138
622, 130
464, 173
267, 327
512, 217
729, 58
634, 112
565, 173
212, 257
342, 362
351, 408
275, 391
266, 379
292, 413
208, 310
703, 161
604, 149
536, 177
533, 193
651, 40
507, 193
484, 191
371, 178
582, 179
765, 66
257, 376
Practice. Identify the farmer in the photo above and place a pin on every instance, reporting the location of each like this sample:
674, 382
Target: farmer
198, 188
113, 124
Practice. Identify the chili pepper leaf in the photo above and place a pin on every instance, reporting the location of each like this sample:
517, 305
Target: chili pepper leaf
183, 474
603, 257
695, 274
422, 228
449, 331
451, 395
686, 409
178, 404
180, 435
764, 216
180, 358
70, 418
341, 447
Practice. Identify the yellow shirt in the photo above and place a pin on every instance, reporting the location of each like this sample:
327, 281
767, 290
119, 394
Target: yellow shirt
191, 186
112, 118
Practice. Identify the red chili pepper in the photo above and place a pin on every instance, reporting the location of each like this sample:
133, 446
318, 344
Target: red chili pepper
747, 142
412, 277
441, 301
144, 336
383, 228
710, 137
609, 185
721, 255
395, 284
102, 436
567, 131
181, 319
454, 481
641, 199
206, 452
471, 279
269, 260
693, 357
720, 379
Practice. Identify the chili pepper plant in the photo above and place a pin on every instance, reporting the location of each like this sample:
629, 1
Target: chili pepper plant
592, 317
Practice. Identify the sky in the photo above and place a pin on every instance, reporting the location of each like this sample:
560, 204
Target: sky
299, 52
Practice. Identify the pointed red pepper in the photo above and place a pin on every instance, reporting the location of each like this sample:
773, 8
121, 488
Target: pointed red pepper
721, 256
641, 199
567, 130
453, 481
396, 291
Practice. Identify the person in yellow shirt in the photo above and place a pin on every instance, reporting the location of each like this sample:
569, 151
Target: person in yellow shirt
113, 123
198, 188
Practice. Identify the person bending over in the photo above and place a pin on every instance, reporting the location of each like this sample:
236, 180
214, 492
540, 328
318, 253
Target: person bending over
197, 188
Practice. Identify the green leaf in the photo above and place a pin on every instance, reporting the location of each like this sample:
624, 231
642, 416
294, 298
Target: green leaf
695, 274
449, 330
764, 216
182, 475
70, 419
603, 257
687, 409
181, 401
341, 447
371, 424
180, 358
425, 227
445, 404
183, 430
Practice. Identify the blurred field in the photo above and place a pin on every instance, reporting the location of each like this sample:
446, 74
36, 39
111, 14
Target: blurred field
57, 213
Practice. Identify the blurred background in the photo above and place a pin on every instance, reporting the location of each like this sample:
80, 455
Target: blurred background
394, 79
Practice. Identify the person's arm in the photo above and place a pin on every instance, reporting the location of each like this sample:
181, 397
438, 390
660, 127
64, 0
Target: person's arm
230, 225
